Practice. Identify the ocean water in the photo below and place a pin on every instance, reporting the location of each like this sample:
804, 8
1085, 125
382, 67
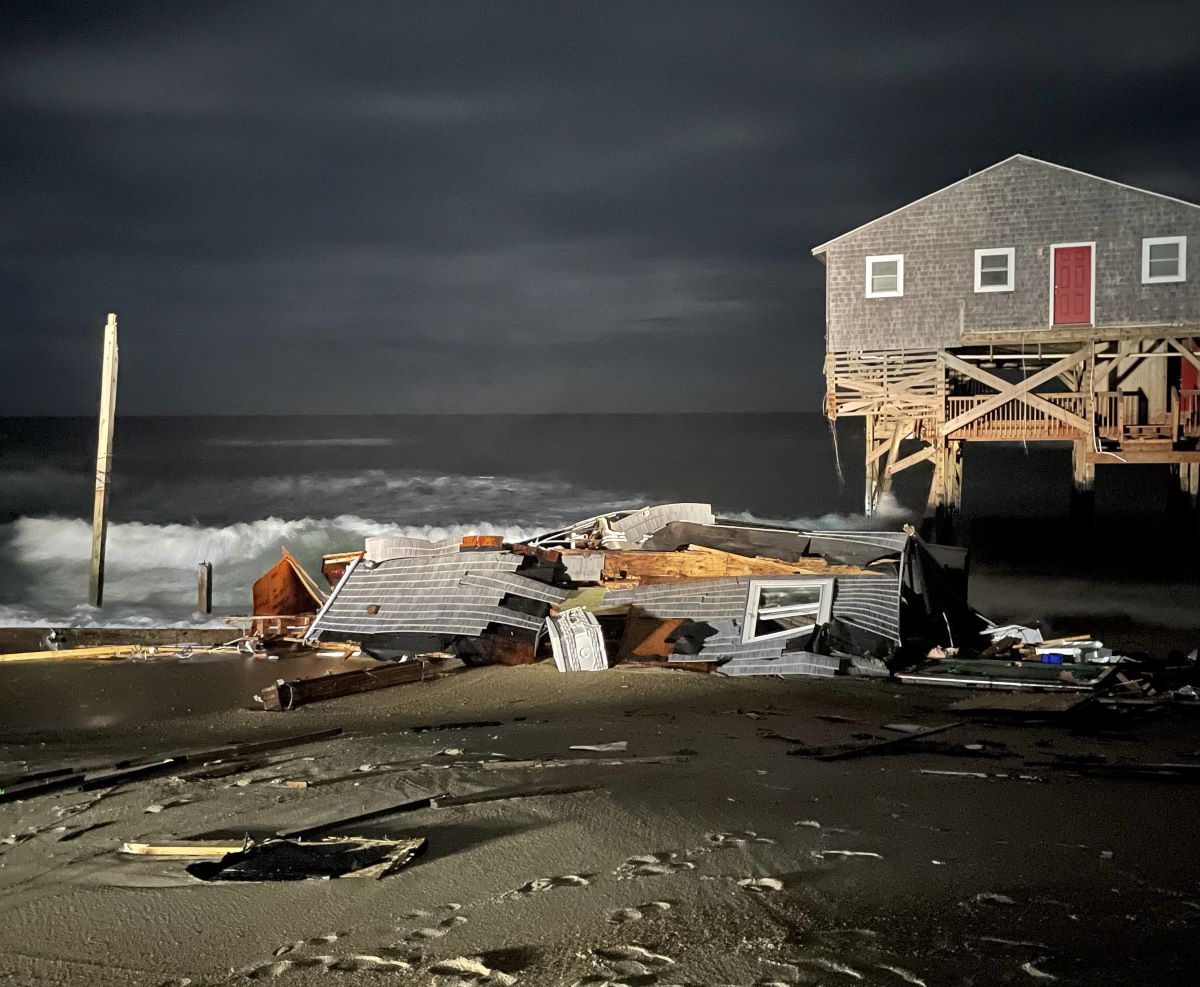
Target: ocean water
233, 490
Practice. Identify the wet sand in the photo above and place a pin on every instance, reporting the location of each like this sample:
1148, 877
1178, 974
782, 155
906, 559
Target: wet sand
734, 863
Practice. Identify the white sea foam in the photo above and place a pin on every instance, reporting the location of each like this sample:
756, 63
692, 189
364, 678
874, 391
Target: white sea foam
889, 514
150, 571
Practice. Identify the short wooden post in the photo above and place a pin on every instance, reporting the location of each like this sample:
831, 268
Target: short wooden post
204, 588
108, 411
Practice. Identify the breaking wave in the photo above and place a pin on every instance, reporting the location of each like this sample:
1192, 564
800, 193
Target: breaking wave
889, 513
150, 570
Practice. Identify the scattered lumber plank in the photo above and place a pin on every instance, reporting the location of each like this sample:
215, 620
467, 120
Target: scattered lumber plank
23, 790
575, 762
1020, 703
504, 794
411, 805
122, 771
463, 725
108, 652
859, 750
285, 695
103, 779
191, 849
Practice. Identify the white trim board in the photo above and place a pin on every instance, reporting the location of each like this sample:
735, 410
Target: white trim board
1154, 241
1010, 253
869, 277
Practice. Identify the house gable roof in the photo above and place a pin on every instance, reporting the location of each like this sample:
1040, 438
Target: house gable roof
818, 250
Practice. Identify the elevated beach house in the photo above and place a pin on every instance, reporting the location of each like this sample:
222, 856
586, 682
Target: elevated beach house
1026, 302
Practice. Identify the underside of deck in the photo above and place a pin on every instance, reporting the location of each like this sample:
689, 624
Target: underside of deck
1127, 396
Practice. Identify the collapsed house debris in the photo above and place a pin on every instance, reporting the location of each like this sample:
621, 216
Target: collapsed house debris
670, 585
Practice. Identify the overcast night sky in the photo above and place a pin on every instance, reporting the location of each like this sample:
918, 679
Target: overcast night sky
369, 208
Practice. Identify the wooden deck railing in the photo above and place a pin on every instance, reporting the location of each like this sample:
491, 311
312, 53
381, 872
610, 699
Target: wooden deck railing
1015, 420
1119, 415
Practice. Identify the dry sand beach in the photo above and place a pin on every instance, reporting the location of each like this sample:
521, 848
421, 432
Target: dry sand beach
722, 859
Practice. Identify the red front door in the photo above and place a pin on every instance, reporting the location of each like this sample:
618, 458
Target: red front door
1072, 286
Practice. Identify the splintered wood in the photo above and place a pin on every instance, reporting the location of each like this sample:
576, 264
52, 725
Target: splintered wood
700, 562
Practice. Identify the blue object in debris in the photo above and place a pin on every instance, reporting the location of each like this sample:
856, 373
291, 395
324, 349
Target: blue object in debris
1052, 659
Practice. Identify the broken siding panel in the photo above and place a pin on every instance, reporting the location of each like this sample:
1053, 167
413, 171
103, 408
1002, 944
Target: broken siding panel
791, 663
640, 524
388, 547
584, 568
517, 585
870, 602
433, 595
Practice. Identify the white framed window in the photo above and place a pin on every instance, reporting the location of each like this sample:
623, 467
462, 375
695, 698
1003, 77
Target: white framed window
786, 607
995, 269
885, 276
1164, 258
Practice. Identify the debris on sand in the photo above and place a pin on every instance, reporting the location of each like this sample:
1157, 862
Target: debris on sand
297, 860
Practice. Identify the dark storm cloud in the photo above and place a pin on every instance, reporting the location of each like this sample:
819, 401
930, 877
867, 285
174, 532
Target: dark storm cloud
502, 206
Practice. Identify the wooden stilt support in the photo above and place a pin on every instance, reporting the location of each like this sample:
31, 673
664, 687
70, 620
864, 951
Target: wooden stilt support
871, 479
108, 410
945, 488
898, 434
1083, 494
1182, 500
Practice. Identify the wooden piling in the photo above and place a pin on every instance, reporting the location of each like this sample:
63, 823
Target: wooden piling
108, 410
204, 587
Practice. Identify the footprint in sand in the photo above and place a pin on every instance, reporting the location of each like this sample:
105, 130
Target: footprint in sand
549, 883
291, 947
761, 885
353, 963
469, 971
651, 909
438, 931
653, 865
630, 964
735, 839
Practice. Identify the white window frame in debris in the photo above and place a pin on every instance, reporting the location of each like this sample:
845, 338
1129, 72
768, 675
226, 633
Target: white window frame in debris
1158, 269
820, 610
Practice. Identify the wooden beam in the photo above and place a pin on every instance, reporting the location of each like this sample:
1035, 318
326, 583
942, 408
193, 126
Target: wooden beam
878, 452
1015, 392
1143, 456
911, 460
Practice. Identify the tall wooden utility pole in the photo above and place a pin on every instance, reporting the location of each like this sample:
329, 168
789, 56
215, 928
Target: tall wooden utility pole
108, 410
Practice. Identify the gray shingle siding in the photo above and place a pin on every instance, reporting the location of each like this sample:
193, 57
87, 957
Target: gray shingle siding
1020, 203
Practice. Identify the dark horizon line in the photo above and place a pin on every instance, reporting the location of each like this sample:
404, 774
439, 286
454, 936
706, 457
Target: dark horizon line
423, 414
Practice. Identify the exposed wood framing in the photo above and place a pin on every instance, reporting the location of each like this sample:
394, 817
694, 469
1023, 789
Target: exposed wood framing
1117, 401
1020, 391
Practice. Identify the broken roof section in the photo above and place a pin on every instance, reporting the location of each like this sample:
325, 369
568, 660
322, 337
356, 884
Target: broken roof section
447, 593
620, 529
